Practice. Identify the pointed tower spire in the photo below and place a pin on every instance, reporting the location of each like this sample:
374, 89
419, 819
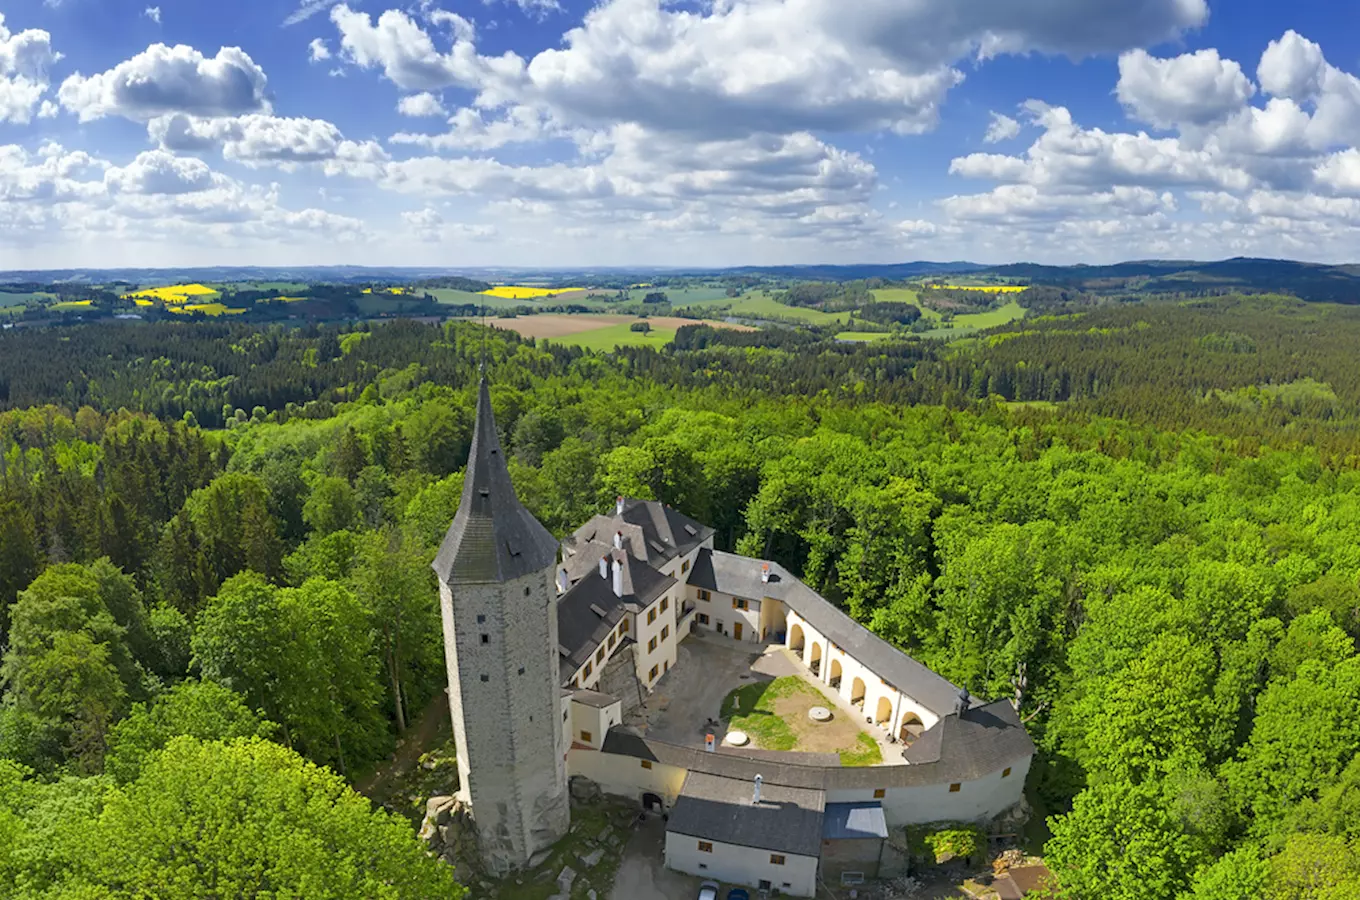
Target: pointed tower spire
493, 537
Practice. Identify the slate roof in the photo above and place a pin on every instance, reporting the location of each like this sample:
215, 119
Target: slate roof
729, 573
654, 532
712, 808
581, 627
853, 822
985, 740
493, 538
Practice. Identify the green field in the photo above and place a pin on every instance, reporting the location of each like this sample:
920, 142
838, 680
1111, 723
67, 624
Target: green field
866, 336
619, 335
284, 286
763, 306
452, 297
8, 298
971, 323
689, 296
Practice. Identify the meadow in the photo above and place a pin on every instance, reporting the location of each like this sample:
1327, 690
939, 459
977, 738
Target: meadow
601, 332
763, 306
9, 298
963, 325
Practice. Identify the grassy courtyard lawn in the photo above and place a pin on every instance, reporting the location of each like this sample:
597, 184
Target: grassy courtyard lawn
774, 714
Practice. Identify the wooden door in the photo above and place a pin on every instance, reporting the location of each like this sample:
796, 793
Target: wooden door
736, 630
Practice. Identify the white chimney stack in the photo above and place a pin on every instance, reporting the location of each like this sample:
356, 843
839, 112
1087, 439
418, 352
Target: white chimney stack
618, 540
561, 581
618, 578
604, 567
618, 506
756, 799
764, 573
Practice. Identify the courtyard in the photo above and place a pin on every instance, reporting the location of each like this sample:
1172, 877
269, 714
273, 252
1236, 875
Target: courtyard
768, 691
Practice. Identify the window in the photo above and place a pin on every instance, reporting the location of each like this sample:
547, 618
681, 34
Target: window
879, 793
651, 676
738, 603
586, 673
776, 859
485, 679
646, 763
705, 595
1006, 772
703, 619
521, 670
565, 713
651, 645
667, 666
526, 590
684, 567
665, 632
665, 603
623, 627
486, 639
705, 847
586, 736
599, 656
612, 637
481, 619
955, 788
651, 616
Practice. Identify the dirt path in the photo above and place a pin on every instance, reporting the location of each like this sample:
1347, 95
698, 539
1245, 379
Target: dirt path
423, 736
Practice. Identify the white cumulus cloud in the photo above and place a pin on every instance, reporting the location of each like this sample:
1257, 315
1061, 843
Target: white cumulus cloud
1191, 89
318, 51
421, 105
163, 79
153, 13
1002, 128
25, 58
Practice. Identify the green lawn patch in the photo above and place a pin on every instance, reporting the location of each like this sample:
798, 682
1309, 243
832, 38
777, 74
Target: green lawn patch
751, 709
865, 753
14, 298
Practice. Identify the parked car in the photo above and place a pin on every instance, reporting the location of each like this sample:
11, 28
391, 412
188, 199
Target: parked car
709, 890
738, 894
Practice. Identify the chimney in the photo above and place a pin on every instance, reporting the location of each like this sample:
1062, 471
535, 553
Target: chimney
561, 581
755, 800
618, 578
961, 706
604, 567
618, 540
618, 506
764, 573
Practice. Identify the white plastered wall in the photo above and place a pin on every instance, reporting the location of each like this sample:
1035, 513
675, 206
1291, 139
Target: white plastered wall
733, 864
626, 776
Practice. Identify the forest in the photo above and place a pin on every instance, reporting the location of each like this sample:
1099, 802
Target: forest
215, 593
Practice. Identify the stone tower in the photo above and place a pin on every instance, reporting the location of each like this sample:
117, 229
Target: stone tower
499, 608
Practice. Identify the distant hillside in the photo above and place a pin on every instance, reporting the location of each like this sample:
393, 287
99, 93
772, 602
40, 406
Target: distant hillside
1307, 281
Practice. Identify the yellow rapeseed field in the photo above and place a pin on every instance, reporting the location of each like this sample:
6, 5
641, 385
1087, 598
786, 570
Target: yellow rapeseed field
173, 293
523, 292
984, 288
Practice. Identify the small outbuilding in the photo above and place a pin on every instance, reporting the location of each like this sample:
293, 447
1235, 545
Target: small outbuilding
853, 836
765, 837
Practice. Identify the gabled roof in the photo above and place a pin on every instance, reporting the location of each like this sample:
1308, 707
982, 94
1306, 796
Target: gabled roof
493, 538
590, 609
977, 743
654, 532
740, 576
786, 820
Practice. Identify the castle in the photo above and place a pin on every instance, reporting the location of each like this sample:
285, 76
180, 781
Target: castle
554, 651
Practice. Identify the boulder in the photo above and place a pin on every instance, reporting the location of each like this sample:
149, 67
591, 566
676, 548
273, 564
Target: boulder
566, 878
583, 790
592, 859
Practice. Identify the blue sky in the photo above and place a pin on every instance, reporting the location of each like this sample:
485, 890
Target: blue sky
703, 132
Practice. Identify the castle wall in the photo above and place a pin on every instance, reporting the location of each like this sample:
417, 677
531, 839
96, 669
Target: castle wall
626, 776
974, 801
500, 645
